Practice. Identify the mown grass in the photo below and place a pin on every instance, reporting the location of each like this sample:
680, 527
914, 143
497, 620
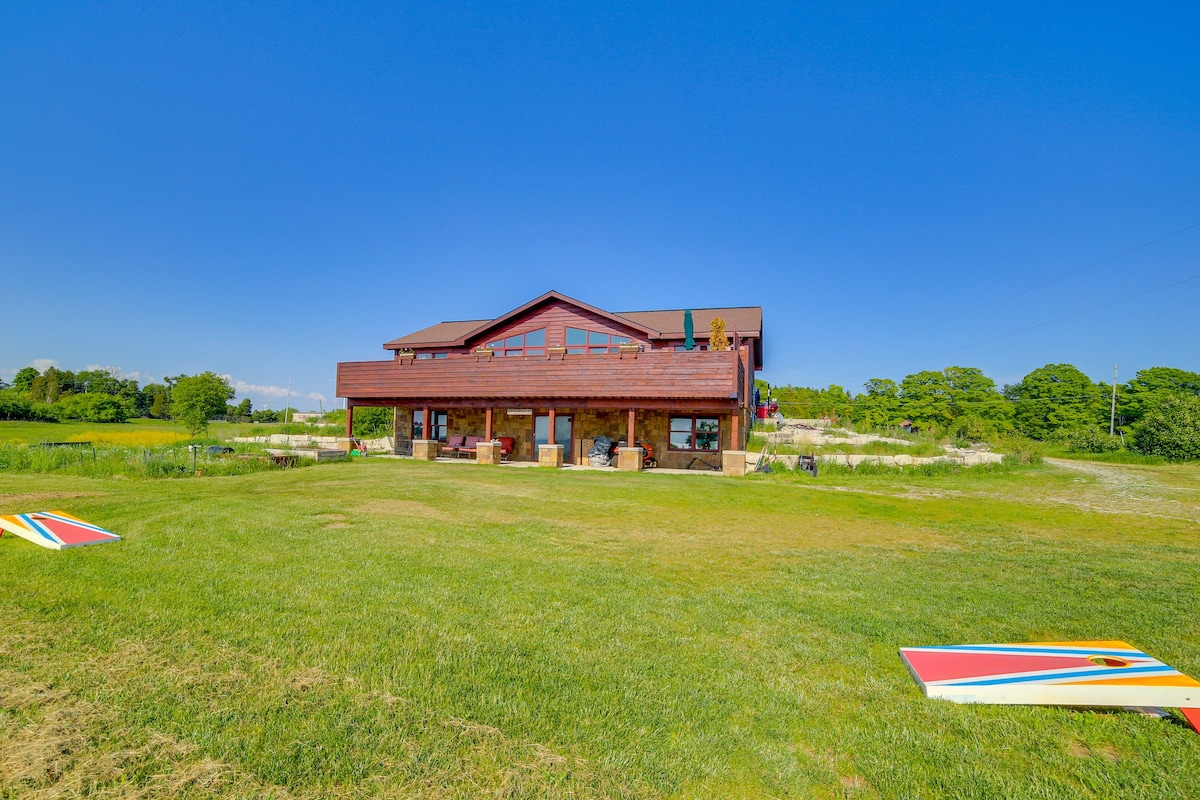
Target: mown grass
397, 629
144, 432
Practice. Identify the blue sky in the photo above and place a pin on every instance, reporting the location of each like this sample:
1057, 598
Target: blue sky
266, 189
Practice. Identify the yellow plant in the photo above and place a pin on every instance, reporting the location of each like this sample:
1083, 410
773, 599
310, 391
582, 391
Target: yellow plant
129, 438
717, 340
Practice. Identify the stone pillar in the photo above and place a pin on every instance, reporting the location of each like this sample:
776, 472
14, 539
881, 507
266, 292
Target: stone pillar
550, 455
426, 449
487, 452
733, 462
629, 458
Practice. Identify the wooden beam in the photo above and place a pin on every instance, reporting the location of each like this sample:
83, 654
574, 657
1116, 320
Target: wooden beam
734, 438
550, 435
425, 426
487, 424
349, 419
630, 440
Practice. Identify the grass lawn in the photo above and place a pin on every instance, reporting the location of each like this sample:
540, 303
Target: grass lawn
134, 432
398, 629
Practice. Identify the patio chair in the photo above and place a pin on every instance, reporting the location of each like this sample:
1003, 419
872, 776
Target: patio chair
469, 445
453, 444
507, 445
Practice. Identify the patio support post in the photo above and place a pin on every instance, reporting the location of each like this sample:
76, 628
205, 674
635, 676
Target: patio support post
425, 429
630, 441
735, 441
550, 435
349, 419
487, 424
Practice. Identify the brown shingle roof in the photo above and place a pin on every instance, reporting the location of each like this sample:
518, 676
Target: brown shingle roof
669, 323
442, 333
665, 324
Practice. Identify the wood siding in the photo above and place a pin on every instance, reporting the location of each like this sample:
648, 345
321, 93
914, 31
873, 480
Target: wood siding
666, 377
556, 317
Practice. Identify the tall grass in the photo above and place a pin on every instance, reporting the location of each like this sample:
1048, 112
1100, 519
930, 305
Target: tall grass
107, 461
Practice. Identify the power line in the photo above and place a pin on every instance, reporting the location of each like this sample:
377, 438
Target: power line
997, 301
1041, 324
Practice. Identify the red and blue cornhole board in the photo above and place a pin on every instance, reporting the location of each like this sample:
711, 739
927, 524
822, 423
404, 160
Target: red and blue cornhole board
1052, 674
56, 530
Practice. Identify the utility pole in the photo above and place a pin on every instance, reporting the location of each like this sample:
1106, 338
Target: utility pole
1112, 414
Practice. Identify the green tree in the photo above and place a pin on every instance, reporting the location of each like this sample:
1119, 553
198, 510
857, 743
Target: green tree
196, 399
1055, 399
159, 400
879, 407
23, 381
94, 407
245, 408
925, 398
1150, 386
1170, 428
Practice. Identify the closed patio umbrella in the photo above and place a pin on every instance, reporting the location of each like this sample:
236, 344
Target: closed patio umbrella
688, 342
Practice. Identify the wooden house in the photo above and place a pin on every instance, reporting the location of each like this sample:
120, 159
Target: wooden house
558, 373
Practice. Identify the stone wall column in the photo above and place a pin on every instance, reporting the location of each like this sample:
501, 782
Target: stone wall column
550, 455
629, 458
487, 452
426, 449
733, 462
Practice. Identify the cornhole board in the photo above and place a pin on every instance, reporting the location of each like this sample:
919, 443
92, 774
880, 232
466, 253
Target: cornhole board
56, 530
1052, 674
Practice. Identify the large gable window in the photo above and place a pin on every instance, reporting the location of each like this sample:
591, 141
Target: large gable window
695, 433
530, 343
585, 341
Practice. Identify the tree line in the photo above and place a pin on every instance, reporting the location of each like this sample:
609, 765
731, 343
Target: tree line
1157, 412
56, 395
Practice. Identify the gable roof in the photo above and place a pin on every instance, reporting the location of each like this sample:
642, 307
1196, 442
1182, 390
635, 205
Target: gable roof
664, 324
746, 320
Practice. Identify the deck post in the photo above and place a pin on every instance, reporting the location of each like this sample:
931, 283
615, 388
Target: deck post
550, 435
425, 425
735, 441
349, 419
487, 424
630, 441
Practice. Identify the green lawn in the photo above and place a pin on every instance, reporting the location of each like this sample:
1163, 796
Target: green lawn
37, 432
397, 629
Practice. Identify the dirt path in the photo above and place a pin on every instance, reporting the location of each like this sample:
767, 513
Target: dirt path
1126, 489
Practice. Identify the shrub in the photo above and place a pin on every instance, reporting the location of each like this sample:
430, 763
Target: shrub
1091, 440
1171, 428
92, 408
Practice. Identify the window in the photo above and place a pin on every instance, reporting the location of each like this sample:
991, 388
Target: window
695, 433
439, 424
530, 343
421, 356
583, 341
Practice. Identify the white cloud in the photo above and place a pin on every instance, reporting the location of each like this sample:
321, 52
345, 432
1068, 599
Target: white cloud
119, 373
257, 390
43, 364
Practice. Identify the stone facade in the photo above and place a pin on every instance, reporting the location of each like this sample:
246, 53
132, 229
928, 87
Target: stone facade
653, 427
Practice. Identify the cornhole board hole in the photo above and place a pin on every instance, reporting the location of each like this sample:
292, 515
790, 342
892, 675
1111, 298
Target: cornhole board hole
1052, 674
56, 530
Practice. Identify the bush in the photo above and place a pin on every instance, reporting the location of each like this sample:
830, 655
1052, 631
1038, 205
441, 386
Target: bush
92, 408
1092, 440
1171, 428
1020, 449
